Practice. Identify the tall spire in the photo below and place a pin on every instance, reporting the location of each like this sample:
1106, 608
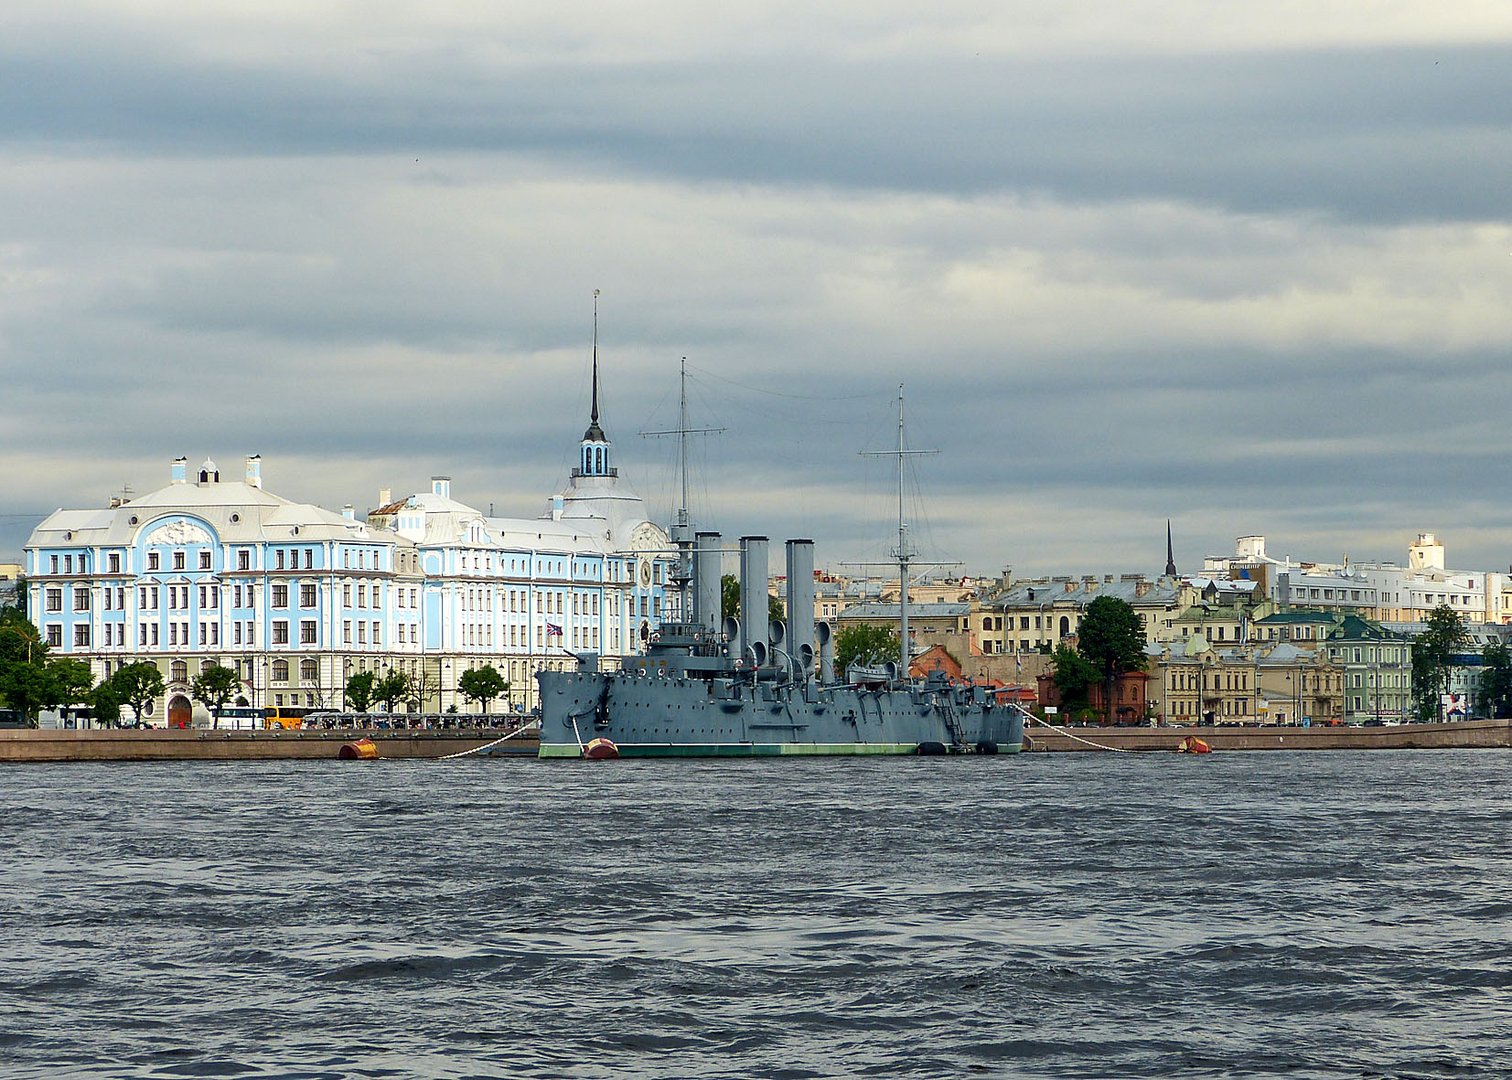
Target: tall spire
595, 432
1170, 552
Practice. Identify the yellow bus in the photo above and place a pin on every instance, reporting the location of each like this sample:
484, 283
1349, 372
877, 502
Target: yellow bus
287, 717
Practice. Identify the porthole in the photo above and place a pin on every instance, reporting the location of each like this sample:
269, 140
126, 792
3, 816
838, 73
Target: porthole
235, 518
133, 520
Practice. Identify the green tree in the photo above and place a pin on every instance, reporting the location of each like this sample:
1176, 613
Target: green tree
864, 644
482, 685
392, 689
1112, 639
106, 706
136, 685
1495, 685
1433, 655
72, 682
25, 684
359, 691
214, 687
1072, 674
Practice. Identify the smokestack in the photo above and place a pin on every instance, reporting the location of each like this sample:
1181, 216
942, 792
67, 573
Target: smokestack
179, 471
800, 605
708, 564
753, 597
254, 471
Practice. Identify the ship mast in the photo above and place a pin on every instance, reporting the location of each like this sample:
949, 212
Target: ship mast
904, 554
682, 525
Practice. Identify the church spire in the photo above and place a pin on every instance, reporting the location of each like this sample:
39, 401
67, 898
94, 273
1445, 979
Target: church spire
1170, 552
594, 432
594, 450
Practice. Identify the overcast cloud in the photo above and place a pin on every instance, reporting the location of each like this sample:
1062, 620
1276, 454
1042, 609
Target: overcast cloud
1243, 266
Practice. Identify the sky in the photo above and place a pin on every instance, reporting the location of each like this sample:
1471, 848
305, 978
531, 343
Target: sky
1245, 267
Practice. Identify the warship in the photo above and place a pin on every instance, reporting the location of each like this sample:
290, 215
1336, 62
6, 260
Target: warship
707, 686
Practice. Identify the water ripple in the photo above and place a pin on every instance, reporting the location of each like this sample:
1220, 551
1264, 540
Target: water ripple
1306, 915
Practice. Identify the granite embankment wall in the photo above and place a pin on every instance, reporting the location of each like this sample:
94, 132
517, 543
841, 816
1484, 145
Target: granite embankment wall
202, 745
1469, 734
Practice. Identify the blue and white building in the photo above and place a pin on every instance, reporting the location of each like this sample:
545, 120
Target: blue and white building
296, 598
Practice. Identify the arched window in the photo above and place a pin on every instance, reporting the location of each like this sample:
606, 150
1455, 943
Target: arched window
178, 671
1065, 623
986, 623
280, 671
307, 671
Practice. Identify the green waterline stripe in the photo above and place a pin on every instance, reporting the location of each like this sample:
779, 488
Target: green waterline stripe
636, 750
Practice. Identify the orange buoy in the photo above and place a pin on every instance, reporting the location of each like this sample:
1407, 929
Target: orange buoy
1193, 745
600, 749
364, 749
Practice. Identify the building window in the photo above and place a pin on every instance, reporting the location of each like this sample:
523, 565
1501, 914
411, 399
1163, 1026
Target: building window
114, 562
308, 671
178, 671
178, 560
54, 636
280, 596
280, 632
81, 635
307, 632
281, 671
307, 596
309, 560
244, 560
204, 560
152, 560
53, 599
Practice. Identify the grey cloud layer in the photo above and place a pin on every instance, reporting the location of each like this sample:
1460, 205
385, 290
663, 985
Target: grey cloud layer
1400, 133
1259, 291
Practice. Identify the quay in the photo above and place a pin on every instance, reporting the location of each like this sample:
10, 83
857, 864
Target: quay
204, 744
1467, 734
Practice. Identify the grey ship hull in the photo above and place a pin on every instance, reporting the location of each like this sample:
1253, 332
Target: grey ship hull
655, 715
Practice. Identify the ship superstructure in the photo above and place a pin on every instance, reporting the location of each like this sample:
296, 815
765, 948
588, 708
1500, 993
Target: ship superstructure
712, 687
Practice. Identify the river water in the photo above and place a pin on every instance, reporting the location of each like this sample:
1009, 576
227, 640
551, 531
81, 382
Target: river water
1324, 914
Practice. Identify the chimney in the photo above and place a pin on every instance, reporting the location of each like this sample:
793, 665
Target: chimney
254, 471
753, 598
179, 471
385, 496
349, 512
800, 605
708, 563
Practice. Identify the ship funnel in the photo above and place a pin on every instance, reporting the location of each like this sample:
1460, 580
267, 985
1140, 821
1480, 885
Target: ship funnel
777, 642
753, 594
732, 635
758, 653
826, 639
800, 604
707, 566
